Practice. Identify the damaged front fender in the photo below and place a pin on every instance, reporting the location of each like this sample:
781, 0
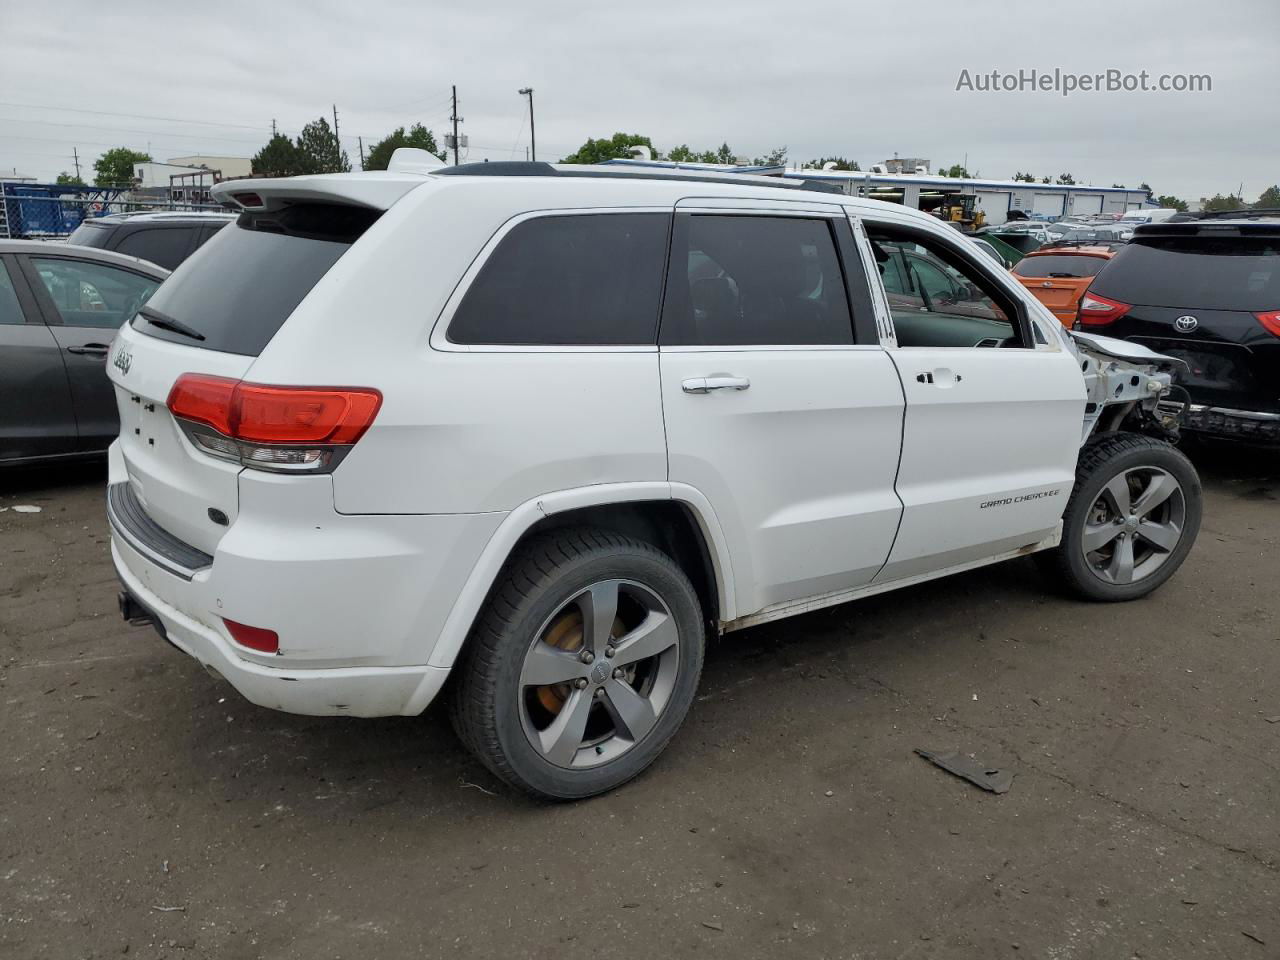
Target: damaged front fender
1126, 381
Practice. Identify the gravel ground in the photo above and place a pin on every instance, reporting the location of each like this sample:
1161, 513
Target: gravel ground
146, 809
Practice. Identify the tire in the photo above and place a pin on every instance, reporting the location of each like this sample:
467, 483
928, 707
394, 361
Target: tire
1140, 546
545, 618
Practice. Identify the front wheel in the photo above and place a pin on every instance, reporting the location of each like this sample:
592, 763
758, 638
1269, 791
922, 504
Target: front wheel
1132, 518
582, 667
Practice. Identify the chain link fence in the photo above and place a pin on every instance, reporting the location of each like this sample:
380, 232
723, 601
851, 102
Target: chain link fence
52, 212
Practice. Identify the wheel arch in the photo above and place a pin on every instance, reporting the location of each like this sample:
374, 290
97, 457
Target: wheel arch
676, 518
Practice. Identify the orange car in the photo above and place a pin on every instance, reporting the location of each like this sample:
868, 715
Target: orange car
1059, 276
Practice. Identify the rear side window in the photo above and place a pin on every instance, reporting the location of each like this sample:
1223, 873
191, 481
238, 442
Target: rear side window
1211, 273
1059, 266
87, 294
583, 279
240, 287
91, 234
755, 280
164, 246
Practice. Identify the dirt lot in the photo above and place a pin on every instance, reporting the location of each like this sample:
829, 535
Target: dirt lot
147, 810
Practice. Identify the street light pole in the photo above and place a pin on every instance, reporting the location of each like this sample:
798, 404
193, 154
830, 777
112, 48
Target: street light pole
533, 143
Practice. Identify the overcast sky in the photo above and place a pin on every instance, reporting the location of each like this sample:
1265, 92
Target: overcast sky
858, 80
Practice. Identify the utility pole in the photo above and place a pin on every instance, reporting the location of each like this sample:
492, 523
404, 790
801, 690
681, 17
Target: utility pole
337, 144
533, 142
76, 155
273, 127
456, 119
360, 140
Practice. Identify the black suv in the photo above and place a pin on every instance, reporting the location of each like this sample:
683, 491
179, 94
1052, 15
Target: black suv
1207, 292
165, 239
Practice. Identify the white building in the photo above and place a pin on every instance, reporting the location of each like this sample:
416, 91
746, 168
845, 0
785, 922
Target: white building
227, 167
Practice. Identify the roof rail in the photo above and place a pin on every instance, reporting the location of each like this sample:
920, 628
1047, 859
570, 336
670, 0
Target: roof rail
527, 168
1242, 214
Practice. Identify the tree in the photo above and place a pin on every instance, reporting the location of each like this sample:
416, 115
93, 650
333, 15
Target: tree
70, 179
1147, 187
279, 158
1021, 177
1046, 179
725, 155
1218, 203
775, 157
955, 170
840, 163
617, 147
320, 149
682, 154
418, 136
1066, 178
115, 167
1172, 203
1270, 198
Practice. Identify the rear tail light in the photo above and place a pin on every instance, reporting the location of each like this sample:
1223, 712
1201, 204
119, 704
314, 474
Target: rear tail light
284, 429
255, 638
1270, 321
1097, 311
248, 199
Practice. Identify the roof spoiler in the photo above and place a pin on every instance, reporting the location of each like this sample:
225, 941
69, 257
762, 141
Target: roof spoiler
376, 190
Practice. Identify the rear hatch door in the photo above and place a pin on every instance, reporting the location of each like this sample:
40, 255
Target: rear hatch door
214, 316
1194, 291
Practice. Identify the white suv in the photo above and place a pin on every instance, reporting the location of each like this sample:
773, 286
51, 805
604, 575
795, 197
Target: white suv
540, 431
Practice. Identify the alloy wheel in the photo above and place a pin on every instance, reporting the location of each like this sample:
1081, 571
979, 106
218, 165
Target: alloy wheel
598, 674
1134, 525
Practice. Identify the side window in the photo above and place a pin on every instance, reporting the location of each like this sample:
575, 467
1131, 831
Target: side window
583, 279
164, 246
93, 294
755, 280
937, 298
10, 309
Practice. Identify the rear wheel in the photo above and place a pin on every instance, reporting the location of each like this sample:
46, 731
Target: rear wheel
1132, 519
583, 666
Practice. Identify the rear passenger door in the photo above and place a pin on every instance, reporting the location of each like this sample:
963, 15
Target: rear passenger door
36, 417
781, 406
84, 303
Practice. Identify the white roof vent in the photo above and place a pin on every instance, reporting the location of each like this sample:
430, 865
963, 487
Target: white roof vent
640, 152
829, 165
413, 160
878, 168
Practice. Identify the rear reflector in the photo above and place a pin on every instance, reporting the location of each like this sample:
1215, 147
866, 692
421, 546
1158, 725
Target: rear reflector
1271, 321
255, 638
1097, 311
247, 199
279, 427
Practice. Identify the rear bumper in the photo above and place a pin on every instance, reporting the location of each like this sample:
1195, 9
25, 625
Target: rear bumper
349, 691
359, 602
1252, 425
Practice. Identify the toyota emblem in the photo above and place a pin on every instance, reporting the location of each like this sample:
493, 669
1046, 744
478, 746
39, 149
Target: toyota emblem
1185, 324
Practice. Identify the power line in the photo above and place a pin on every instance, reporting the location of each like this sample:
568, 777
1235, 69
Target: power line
133, 116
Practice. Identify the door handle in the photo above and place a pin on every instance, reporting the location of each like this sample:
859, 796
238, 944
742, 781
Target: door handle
941, 377
707, 384
90, 349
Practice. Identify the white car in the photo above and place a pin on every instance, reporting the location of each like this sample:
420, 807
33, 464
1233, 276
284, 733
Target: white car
541, 431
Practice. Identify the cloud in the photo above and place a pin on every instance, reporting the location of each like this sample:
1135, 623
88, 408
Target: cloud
861, 80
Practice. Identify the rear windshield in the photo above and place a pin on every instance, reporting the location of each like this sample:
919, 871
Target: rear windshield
1059, 266
240, 287
90, 234
1209, 273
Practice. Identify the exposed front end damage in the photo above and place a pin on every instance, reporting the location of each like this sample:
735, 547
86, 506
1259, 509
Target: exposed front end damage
1127, 385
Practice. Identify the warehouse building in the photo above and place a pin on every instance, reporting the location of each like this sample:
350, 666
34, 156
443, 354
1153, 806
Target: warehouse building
995, 198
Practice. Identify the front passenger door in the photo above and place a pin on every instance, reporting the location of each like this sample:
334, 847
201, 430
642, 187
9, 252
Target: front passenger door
993, 416
781, 407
